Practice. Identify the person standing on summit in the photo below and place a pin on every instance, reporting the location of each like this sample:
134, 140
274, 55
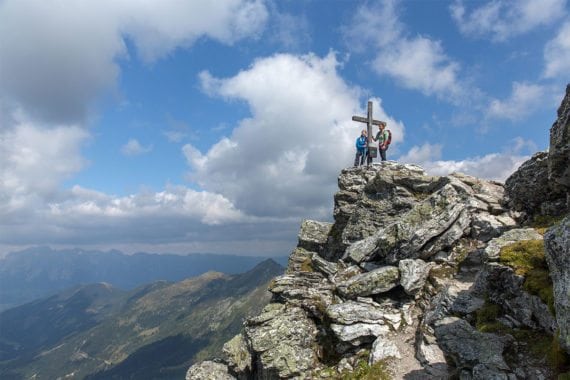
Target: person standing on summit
384, 138
361, 148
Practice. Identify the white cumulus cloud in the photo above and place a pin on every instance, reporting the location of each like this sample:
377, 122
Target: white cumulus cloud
504, 19
524, 99
284, 159
495, 166
134, 148
557, 54
35, 161
416, 62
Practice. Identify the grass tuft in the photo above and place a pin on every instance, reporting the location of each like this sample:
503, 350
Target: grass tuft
364, 371
541, 223
526, 257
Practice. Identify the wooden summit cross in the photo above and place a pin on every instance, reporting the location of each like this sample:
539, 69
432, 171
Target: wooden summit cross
368, 120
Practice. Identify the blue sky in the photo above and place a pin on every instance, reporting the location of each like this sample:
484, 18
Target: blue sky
194, 126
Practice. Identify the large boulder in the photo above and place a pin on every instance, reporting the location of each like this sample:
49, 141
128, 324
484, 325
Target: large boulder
351, 312
382, 349
413, 274
313, 235
282, 340
557, 242
559, 152
471, 349
529, 189
370, 198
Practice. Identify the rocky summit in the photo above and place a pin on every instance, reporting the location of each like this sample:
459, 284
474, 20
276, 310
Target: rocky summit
422, 277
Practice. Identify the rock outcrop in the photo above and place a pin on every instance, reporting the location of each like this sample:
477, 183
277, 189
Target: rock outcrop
541, 186
530, 191
413, 273
362, 282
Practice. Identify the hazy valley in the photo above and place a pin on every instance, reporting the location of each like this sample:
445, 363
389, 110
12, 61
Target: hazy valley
154, 331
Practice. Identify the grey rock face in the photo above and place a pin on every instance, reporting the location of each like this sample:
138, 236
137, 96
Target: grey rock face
209, 370
351, 312
364, 310
421, 232
503, 287
308, 290
413, 274
383, 348
400, 203
371, 198
329, 268
299, 260
557, 242
559, 152
282, 339
313, 235
432, 358
237, 355
530, 190
483, 198
469, 347
359, 333
377, 281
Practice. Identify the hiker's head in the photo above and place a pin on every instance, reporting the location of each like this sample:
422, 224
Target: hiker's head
363, 133
382, 126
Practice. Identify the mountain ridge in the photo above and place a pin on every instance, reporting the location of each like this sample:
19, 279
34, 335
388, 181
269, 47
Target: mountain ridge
153, 331
36, 272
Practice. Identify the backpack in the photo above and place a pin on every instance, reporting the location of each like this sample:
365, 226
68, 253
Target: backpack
389, 141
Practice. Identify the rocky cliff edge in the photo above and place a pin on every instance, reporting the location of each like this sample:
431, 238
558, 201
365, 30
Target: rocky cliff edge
421, 277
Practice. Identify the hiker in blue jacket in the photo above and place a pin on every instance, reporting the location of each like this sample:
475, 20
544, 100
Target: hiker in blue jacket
361, 148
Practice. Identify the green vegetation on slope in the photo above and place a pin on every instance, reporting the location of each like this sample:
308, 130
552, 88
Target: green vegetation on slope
156, 332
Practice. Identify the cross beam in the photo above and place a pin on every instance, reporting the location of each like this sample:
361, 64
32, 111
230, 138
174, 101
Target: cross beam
368, 120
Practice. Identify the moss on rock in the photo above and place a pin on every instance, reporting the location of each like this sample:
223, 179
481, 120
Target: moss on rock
527, 258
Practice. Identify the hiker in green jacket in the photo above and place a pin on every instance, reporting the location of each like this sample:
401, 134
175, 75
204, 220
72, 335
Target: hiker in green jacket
384, 138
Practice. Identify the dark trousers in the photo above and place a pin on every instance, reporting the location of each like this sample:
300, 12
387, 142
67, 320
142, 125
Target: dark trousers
383, 153
360, 157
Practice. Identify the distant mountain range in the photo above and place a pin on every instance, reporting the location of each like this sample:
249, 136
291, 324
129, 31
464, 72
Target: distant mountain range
152, 332
41, 271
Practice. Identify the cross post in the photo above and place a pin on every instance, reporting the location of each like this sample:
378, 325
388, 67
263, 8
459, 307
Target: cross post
368, 120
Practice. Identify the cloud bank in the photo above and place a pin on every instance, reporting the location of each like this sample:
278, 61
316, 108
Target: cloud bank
56, 69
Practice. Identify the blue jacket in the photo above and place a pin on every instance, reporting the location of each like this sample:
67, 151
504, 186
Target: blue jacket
362, 143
